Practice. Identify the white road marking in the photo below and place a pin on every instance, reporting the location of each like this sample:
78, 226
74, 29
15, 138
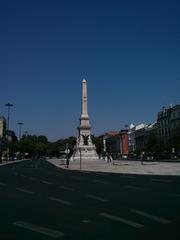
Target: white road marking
22, 175
60, 201
99, 181
77, 178
122, 220
100, 173
60, 175
152, 217
161, 180
33, 179
86, 221
130, 177
97, 198
67, 188
3, 184
39, 229
136, 188
86, 172
46, 182
176, 195
24, 190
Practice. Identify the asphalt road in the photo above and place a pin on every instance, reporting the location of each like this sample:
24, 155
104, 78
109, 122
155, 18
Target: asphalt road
39, 201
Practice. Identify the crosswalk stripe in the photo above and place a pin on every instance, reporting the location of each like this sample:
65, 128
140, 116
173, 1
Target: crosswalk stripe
3, 184
135, 188
99, 181
161, 180
152, 217
33, 179
46, 182
24, 190
76, 178
130, 177
39, 229
60, 201
97, 198
122, 220
67, 188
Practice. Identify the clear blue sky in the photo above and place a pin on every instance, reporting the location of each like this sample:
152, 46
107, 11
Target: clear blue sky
129, 52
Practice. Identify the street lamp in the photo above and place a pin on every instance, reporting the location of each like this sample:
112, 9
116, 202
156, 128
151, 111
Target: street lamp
8, 105
20, 127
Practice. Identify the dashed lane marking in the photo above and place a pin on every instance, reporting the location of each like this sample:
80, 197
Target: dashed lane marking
22, 175
67, 188
100, 173
130, 177
161, 180
60, 175
46, 182
33, 179
136, 188
60, 201
86, 221
122, 220
39, 229
77, 178
3, 184
24, 190
152, 217
176, 195
100, 181
97, 198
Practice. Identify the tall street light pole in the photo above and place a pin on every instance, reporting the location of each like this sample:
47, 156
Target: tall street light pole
20, 128
8, 105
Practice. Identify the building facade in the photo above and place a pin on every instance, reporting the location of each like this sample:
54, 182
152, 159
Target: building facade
2, 126
167, 120
131, 133
142, 136
116, 143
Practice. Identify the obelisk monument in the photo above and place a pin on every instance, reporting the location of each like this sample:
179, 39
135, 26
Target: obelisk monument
84, 145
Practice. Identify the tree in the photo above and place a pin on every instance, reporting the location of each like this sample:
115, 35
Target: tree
98, 141
58, 148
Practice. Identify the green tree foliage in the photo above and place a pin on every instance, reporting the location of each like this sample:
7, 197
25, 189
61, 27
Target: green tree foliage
98, 141
30, 144
57, 148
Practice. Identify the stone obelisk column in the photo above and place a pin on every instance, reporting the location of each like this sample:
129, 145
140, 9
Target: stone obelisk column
84, 98
84, 145
84, 119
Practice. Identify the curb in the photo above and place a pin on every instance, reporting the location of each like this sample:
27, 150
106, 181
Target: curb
12, 162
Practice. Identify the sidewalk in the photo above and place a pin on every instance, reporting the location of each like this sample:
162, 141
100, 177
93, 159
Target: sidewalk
128, 167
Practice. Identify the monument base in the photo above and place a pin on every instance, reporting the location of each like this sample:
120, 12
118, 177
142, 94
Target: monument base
85, 153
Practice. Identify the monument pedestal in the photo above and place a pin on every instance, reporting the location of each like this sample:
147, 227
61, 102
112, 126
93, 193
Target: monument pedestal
85, 153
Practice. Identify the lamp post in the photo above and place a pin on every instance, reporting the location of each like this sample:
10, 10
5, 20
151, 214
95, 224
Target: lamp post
20, 127
8, 105
80, 159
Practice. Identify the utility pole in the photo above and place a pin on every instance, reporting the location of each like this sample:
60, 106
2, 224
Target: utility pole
80, 159
8, 105
20, 127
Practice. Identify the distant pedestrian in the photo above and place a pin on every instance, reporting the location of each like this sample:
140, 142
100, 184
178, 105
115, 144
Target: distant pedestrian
67, 162
142, 158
